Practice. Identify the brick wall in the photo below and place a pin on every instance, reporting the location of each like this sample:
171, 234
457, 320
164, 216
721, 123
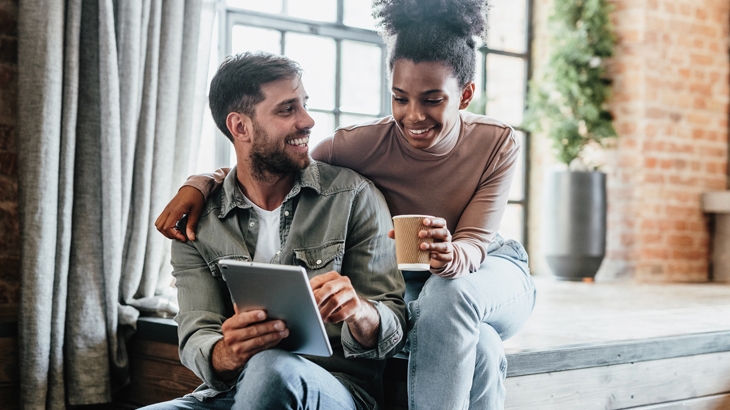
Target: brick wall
9, 223
670, 103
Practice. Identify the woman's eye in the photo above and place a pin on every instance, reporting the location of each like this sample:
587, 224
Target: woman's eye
434, 102
400, 100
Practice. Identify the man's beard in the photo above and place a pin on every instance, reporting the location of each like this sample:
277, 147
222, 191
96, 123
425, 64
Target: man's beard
270, 160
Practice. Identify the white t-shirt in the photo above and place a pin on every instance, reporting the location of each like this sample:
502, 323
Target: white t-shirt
268, 242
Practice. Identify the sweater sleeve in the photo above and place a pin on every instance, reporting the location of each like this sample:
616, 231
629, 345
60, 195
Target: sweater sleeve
323, 151
481, 218
207, 183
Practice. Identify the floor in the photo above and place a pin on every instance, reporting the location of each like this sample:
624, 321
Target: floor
578, 313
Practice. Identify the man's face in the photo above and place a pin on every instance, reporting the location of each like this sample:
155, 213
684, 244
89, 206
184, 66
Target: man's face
281, 128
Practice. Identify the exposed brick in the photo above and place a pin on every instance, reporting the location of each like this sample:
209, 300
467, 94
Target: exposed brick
9, 226
8, 19
8, 163
7, 138
8, 50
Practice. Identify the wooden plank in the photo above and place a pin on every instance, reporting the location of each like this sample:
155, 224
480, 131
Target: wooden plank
156, 380
717, 402
610, 353
9, 370
622, 386
9, 396
155, 350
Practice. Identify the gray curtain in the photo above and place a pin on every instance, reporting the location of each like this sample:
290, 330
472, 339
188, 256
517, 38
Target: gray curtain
106, 109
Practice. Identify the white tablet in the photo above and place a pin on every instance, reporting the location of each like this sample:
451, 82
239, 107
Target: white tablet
284, 293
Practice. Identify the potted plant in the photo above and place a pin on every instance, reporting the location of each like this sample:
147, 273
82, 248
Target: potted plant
568, 104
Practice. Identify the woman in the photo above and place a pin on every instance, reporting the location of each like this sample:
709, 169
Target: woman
431, 158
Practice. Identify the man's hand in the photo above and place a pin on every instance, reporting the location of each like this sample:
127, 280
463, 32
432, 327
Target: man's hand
244, 335
339, 302
188, 201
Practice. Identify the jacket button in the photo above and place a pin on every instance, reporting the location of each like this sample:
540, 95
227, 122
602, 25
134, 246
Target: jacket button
251, 224
286, 213
319, 261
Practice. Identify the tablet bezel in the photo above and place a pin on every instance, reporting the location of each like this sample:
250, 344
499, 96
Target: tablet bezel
284, 292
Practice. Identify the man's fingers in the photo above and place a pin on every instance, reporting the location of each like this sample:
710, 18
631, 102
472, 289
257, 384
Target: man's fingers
319, 280
252, 346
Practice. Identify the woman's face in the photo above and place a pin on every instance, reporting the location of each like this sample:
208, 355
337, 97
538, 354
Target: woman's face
426, 100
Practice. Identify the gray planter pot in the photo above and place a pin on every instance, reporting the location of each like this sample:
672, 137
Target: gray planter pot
574, 236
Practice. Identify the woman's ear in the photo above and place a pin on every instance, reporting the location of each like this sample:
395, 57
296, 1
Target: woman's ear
466, 95
240, 126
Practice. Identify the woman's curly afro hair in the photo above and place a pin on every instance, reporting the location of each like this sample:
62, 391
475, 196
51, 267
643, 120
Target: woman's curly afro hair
433, 30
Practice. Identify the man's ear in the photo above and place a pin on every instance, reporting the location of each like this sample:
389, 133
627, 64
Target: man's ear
240, 126
466, 95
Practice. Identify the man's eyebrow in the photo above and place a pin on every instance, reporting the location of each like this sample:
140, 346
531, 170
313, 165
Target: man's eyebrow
291, 101
435, 90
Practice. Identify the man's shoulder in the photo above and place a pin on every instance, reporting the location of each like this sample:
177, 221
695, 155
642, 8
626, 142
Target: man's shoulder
333, 179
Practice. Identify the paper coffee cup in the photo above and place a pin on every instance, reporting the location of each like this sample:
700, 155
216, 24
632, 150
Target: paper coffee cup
407, 243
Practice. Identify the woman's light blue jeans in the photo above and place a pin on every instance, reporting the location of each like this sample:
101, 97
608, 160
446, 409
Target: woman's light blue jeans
457, 326
274, 379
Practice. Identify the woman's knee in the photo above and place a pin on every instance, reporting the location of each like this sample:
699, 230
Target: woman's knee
448, 294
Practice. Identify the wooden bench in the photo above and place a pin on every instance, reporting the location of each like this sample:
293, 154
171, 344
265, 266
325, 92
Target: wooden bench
586, 346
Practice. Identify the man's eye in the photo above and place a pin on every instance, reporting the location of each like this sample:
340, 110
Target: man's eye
287, 109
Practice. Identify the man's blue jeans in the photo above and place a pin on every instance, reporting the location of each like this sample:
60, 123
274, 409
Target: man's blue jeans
457, 360
274, 379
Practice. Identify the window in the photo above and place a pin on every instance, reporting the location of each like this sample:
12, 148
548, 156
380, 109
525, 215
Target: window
501, 85
343, 58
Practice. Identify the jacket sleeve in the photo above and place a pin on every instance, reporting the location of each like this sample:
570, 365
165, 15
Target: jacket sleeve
202, 312
369, 262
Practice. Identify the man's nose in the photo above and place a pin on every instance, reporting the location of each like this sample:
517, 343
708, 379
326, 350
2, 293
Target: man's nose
306, 121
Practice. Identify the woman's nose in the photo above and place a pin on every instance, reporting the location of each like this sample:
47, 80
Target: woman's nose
414, 113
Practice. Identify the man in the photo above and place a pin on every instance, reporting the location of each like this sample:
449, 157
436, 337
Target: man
278, 206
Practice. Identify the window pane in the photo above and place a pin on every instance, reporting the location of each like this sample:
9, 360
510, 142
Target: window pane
352, 119
268, 6
516, 193
324, 126
478, 103
361, 76
318, 10
358, 13
507, 26
511, 227
505, 88
245, 38
316, 55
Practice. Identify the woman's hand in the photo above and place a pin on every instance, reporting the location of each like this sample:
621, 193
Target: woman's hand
442, 250
188, 201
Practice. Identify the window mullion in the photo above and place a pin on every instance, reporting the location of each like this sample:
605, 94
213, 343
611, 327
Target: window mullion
338, 80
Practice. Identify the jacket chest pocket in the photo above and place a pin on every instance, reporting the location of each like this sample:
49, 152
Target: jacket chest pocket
321, 259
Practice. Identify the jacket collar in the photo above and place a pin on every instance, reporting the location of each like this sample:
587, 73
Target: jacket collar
232, 197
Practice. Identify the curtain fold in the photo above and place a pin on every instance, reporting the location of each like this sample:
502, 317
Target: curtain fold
105, 101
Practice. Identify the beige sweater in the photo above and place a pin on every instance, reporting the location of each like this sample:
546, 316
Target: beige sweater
465, 178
